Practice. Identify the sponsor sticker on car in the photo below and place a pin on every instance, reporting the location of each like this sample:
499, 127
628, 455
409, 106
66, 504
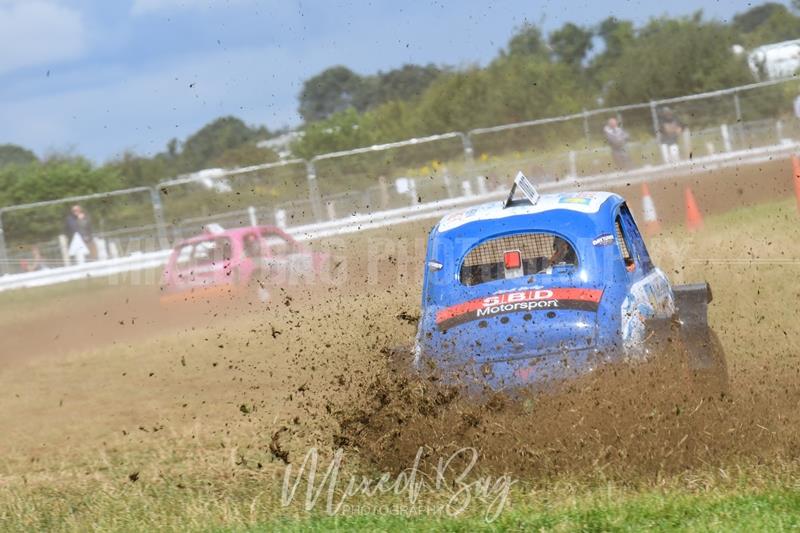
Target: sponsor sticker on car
603, 240
512, 302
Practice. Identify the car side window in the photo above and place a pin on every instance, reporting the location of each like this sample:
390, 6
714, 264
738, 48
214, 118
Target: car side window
213, 251
624, 245
184, 259
635, 242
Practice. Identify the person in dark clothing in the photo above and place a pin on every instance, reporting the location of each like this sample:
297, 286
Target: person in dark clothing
617, 139
669, 131
78, 221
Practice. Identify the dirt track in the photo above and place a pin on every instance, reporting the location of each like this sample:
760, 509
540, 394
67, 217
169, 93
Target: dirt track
716, 191
310, 369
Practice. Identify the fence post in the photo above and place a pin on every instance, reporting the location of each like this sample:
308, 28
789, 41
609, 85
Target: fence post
656, 125
3, 255
726, 138
469, 151
469, 155
738, 107
313, 191
586, 125
158, 214
573, 165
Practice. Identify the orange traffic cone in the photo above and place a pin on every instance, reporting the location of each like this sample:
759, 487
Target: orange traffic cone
651, 224
694, 220
796, 172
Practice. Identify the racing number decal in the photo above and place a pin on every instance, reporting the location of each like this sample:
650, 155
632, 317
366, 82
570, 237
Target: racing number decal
529, 300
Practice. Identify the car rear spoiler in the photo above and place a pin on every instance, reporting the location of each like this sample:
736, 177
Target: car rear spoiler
692, 302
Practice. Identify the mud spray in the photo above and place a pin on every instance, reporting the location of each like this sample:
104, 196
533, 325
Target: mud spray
622, 422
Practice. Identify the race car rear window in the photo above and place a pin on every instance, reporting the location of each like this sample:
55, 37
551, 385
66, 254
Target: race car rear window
538, 251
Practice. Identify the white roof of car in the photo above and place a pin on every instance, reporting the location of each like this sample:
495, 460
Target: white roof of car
582, 202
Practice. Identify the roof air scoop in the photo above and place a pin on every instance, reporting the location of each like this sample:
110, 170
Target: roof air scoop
526, 187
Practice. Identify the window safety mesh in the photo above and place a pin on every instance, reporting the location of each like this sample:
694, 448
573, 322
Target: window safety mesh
623, 247
485, 262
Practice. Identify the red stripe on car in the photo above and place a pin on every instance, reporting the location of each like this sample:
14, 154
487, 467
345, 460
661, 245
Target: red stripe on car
532, 295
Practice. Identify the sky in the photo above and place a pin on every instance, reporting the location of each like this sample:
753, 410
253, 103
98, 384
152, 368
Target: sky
98, 77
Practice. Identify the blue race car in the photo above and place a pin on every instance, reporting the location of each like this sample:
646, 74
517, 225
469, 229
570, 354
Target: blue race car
550, 287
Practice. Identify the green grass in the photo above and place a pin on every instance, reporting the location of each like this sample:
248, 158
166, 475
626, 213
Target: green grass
745, 504
774, 509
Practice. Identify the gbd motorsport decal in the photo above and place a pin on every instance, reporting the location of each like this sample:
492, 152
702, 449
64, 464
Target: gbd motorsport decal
512, 302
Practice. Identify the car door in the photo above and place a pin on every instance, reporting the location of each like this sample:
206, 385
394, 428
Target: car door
649, 293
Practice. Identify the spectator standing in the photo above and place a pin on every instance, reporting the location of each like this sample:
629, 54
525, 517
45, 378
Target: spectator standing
78, 221
670, 129
617, 139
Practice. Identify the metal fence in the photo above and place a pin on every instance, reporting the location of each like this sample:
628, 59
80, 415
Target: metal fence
399, 174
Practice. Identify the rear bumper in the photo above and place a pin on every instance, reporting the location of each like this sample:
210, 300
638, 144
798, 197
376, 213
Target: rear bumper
538, 371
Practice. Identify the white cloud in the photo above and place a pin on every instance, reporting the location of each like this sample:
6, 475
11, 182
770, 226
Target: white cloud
35, 32
142, 109
143, 7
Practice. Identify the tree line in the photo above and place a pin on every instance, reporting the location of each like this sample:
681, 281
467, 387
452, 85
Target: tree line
534, 75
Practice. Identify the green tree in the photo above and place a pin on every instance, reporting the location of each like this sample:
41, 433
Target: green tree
244, 155
392, 121
405, 83
768, 23
674, 57
525, 88
340, 131
617, 35
136, 171
455, 101
527, 41
755, 17
11, 154
331, 91
172, 147
213, 140
571, 43
56, 177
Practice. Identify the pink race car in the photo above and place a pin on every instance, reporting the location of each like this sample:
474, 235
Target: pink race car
250, 260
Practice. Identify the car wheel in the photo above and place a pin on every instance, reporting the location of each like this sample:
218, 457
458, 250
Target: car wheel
692, 355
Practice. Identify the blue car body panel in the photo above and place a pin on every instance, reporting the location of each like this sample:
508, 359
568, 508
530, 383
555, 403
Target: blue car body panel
540, 327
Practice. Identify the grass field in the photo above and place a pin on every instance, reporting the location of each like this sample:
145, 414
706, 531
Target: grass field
184, 423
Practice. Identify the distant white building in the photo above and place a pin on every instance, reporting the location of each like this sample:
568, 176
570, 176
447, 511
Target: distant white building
775, 61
